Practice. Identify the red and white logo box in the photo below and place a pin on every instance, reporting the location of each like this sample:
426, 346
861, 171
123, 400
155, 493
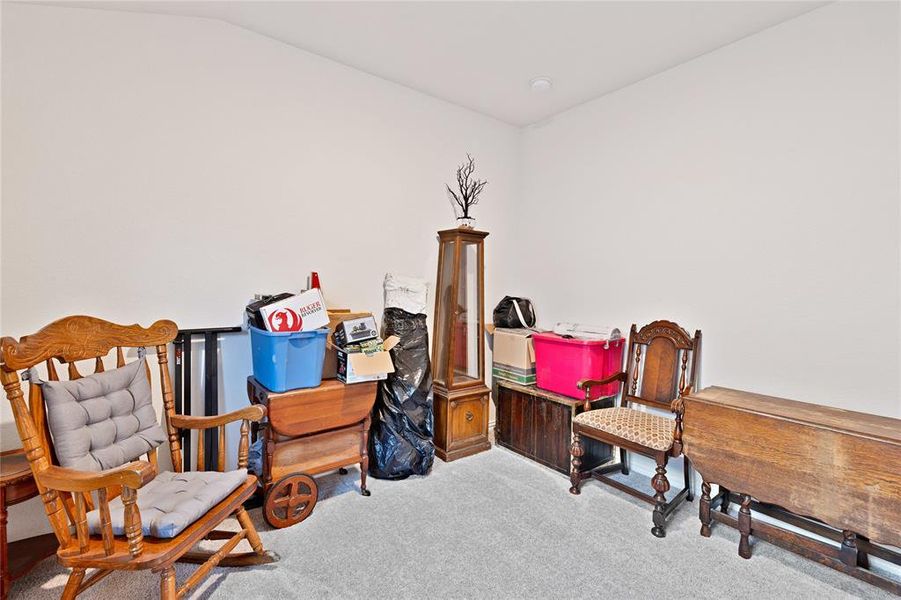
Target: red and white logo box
303, 312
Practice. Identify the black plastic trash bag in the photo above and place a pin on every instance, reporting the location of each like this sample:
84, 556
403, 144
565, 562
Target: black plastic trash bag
401, 439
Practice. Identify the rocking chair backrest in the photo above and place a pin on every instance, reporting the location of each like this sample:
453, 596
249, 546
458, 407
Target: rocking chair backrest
66, 341
661, 364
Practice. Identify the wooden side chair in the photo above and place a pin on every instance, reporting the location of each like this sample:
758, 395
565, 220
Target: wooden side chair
660, 368
85, 436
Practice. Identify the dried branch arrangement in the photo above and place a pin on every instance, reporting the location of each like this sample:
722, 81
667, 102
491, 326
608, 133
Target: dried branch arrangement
469, 188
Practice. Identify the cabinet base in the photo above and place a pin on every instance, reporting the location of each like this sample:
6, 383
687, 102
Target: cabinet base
475, 448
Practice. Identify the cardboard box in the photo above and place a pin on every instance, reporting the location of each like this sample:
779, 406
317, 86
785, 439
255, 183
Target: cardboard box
336, 316
513, 355
357, 367
355, 330
514, 347
520, 376
303, 312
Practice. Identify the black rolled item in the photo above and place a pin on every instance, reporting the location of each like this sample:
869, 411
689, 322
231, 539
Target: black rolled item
401, 438
515, 313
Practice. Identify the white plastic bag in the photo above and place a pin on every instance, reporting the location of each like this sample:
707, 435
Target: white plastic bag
407, 293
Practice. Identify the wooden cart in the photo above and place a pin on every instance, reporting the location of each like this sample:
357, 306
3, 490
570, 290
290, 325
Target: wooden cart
308, 432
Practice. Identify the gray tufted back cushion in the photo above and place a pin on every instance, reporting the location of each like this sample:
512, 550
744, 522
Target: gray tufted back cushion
103, 420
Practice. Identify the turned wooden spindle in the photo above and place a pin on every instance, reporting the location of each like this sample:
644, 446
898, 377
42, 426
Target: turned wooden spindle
106, 526
635, 373
73, 371
575, 475
81, 522
220, 462
98, 365
169, 404
244, 445
132, 521
201, 451
661, 486
52, 375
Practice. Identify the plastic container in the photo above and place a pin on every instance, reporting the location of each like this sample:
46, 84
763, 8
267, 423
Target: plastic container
560, 363
290, 360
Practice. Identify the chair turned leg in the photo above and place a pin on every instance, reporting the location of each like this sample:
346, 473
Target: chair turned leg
744, 527
661, 486
704, 510
253, 538
623, 465
686, 467
167, 584
575, 475
72, 585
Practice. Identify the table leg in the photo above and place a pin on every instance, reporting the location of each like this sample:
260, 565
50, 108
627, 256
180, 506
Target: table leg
364, 462
4, 559
744, 527
704, 509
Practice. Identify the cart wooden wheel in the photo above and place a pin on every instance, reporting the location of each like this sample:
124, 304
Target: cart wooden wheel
290, 500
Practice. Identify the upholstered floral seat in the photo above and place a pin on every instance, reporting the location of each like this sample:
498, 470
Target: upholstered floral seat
649, 430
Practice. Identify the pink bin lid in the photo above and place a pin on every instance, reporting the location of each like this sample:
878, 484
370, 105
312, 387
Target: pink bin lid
559, 339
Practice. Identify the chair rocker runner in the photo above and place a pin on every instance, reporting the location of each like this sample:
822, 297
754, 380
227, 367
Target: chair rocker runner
84, 436
657, 375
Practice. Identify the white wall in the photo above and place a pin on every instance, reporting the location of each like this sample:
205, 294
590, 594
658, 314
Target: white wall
758, 186
169, 167
752, 193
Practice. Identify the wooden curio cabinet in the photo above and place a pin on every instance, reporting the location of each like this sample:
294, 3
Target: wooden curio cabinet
458, 346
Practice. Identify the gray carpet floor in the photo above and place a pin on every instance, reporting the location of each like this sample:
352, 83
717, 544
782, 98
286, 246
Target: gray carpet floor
494, 525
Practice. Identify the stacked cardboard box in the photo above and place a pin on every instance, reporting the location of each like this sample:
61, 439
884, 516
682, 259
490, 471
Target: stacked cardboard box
361, 353
513, 356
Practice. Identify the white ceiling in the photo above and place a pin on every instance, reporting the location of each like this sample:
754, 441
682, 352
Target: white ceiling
482, 55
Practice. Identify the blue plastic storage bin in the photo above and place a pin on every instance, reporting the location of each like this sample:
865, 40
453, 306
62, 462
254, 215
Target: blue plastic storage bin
288, 361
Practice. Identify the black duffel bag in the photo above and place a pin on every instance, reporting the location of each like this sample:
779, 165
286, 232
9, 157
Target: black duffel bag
515, 313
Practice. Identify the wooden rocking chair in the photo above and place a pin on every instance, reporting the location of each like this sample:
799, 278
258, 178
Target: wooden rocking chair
114, 537
659, 379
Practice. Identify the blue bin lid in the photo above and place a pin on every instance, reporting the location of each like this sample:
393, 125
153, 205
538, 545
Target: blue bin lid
322, 331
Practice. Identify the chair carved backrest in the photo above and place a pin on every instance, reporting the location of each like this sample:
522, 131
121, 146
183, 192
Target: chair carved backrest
661, 364
68, 341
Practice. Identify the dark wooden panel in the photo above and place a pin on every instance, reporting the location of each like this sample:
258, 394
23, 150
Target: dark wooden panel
503, 427
522, 429
552, 429
658, 381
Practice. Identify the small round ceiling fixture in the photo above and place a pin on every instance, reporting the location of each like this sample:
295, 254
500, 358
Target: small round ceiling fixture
541, 84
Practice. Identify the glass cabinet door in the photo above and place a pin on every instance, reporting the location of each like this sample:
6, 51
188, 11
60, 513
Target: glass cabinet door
466, 317
445, 302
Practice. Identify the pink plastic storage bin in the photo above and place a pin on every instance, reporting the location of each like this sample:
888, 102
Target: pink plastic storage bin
560, 363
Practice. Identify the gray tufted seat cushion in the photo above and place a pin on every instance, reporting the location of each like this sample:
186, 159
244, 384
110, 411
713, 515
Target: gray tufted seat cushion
172, 501
104, 420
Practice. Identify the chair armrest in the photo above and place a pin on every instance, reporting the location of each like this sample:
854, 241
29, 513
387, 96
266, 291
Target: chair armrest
132, 475
248, 413
587, 384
